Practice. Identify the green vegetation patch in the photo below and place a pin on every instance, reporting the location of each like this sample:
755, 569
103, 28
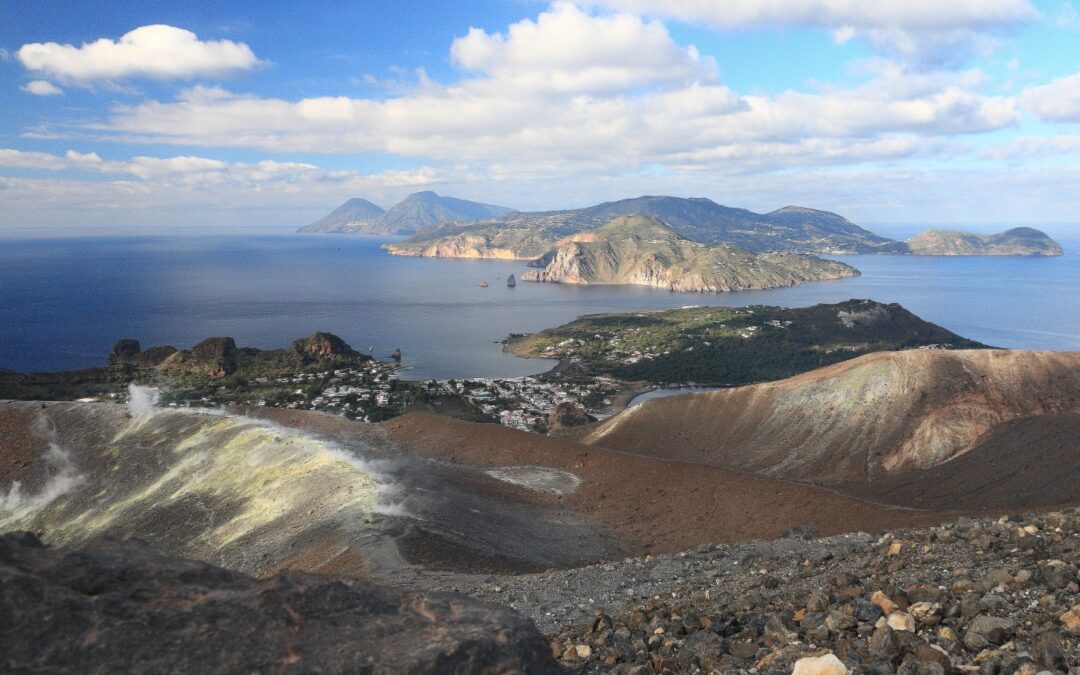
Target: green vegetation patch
731, 346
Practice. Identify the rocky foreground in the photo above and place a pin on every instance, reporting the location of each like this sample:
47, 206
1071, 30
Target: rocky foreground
987, 596
978, 595
121, 607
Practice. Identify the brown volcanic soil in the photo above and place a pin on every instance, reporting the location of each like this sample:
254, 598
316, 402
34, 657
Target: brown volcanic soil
861, 419
1027, 463
21, 446
654, 505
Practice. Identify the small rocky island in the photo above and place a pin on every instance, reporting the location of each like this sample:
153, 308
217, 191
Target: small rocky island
644, 250
1017, 241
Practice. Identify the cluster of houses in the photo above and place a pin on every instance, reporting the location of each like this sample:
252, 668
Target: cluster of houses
527, 402
373, 391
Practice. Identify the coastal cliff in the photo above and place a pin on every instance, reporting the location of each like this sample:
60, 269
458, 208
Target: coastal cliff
464, 246
642, 250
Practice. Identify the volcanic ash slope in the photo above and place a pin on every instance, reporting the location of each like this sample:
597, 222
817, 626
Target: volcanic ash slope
880, 414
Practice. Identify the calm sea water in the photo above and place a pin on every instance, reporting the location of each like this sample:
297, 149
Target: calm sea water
63, 302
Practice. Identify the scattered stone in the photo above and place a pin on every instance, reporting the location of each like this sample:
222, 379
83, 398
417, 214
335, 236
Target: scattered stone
820, 665
901, 621
992, 628
926, 613
883, 601
1071, 618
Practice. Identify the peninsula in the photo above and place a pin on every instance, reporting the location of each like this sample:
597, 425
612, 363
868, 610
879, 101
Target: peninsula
643, 250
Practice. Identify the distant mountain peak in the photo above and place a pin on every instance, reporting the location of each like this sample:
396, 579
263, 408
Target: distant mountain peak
352, 216
415, 212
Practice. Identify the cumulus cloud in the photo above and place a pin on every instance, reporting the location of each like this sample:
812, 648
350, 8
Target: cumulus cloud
156, 52
42, 88
477, 121
924, 32
1056, 101
567, 50
573, 90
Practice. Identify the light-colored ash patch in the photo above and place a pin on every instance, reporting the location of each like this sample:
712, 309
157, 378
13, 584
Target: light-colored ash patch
537, 478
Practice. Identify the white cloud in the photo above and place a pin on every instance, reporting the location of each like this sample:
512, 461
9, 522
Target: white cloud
905, 14
41, 88
1056, 101
924, 32
84, 188
573, 90
992, 194
156, 51
568, 50
194, 170
479, 121
1025, 147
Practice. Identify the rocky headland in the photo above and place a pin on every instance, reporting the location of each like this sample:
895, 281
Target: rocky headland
643, 250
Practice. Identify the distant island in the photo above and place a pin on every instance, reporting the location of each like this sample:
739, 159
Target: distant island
1017, 241
445, 227
412, 214
643, 250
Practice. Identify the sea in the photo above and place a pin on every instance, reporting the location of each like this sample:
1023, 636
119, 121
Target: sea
65, 300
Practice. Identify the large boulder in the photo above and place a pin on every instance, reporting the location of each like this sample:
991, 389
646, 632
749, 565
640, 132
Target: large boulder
120, 606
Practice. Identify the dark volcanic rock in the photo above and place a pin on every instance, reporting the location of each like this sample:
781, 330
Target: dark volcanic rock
124, 351
120, 607
322, 345
128, 352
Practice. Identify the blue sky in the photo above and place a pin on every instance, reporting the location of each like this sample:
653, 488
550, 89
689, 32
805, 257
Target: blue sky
231, 114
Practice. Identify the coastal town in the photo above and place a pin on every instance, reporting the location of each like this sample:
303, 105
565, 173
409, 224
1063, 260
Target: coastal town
374, 391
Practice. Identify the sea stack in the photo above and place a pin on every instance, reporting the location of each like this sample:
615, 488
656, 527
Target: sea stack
511, 281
